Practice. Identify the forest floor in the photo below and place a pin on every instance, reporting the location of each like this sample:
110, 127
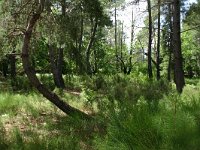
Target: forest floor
29, 121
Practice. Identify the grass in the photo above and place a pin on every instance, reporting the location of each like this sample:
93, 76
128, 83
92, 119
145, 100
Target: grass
130, 113
31, 122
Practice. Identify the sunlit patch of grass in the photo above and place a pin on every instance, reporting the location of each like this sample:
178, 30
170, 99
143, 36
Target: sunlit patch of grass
32, 122
190, 91
10, 102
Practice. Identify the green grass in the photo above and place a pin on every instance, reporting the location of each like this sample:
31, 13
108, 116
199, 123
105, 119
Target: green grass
130, 113
31, 122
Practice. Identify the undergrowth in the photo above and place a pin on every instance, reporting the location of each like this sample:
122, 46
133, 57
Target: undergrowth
130, 113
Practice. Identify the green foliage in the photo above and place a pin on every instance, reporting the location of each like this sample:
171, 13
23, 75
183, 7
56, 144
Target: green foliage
133, 119
22, 83
132, 128
175, 124
191, 53
9, 103
47, 80
190, 41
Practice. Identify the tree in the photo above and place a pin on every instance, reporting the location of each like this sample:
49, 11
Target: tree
150, 73
178, 60
132, 38
56, 65
158, 44
29, 70
116, 47
166, 40
88, 49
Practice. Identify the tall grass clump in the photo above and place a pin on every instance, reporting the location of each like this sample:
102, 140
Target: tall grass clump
131, 128
121, 88
153, 116
179, 128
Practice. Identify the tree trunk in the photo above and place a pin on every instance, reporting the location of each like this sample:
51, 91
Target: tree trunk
116, 49
56, 66
88, 50
170, 45
30, 72
178, 66
12, 59
5, 67
150, 73
13, 66
131, 48
63, 7
60, 67
95, 70
169, 66
121, 45
81, 70
158, 45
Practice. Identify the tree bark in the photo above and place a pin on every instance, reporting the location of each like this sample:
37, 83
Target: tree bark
30, 72
4, 64
169, 66
56, 66
150, 73
178, 60
116, 49
63, 7
131, 48
121, 45
60, 67
158, 45
13, 66
88, 50
170, 45
81, 66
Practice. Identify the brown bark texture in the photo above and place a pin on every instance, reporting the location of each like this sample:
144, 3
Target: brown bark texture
178, 60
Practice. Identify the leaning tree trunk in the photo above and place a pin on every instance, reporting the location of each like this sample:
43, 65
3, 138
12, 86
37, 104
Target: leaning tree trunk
178, 60
150, 73
30, 72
